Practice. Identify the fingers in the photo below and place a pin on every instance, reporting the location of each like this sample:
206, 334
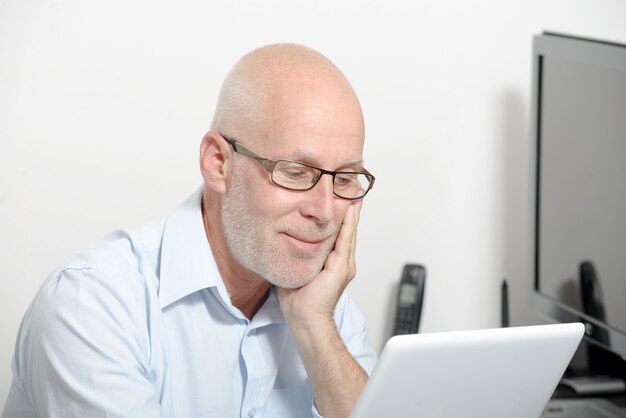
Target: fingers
343, 244
346, 242
341, 261
357, 214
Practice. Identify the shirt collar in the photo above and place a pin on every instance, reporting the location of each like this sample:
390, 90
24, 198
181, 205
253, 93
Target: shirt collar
187, 264
270, 312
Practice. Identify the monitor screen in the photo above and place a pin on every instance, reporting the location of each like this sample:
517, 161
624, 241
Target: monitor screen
579, 111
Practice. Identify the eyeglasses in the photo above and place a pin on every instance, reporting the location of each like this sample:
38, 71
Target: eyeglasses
293, 175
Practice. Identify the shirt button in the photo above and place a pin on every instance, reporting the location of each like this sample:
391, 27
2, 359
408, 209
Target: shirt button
250, 334
251, 412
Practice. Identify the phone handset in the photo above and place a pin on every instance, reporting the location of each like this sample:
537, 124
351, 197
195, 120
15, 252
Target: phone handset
410, 296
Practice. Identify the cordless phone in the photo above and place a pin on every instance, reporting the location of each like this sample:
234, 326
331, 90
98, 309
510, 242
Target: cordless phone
410, 296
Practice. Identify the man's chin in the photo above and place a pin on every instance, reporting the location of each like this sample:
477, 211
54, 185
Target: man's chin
302, 270
291, 282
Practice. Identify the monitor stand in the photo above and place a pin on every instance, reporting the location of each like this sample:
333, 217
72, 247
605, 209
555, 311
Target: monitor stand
583, 408
595, 385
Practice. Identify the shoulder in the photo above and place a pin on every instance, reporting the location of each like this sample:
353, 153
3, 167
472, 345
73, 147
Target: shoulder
97, 314
121, 252
124, 261
113, 282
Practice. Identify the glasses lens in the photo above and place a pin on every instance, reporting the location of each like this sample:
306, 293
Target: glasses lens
351, 185
294, 175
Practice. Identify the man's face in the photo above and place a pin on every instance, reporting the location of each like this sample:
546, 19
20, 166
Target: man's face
279, 245
285, 236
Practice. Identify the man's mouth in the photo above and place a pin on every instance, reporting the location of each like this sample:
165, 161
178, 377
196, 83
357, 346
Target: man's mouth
304, 244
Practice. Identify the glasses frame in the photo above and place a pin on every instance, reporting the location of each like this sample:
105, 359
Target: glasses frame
269, 165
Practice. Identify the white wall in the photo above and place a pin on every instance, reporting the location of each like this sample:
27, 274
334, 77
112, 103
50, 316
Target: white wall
103, 104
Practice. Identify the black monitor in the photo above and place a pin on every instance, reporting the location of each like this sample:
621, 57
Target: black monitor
579, 177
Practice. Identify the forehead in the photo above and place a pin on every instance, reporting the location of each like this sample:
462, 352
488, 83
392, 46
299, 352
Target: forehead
309, 116
324, 134
329, 152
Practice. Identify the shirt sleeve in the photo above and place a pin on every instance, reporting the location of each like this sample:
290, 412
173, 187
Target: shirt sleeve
353, 331
82, 350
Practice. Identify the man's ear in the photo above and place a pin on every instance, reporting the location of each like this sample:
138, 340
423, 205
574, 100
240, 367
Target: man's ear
215, 161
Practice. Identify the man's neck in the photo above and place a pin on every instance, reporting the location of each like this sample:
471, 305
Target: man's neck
250, 300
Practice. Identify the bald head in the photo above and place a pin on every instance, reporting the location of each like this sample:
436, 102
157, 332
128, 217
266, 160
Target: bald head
269, 84
285, 102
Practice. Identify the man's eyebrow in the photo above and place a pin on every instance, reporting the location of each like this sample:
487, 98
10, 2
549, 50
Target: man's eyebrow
353, 163
301, 154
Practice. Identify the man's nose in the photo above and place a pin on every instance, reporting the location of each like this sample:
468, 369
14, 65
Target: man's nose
320, 200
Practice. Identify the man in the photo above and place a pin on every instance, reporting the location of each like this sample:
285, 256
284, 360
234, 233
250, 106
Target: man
234, 305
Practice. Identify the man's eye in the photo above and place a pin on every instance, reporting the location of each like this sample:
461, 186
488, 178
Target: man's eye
295, 173
344, 179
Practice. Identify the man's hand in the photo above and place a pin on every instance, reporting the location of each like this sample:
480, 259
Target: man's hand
337, 379
316, 301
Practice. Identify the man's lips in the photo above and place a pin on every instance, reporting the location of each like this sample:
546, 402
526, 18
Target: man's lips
304, 244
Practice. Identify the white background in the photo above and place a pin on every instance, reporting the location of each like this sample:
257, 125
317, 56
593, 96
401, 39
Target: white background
103, 105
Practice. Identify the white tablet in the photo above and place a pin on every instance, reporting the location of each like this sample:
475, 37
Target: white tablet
502, 372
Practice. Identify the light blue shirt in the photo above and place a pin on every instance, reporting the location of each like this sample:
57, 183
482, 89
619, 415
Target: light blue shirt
141, 326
